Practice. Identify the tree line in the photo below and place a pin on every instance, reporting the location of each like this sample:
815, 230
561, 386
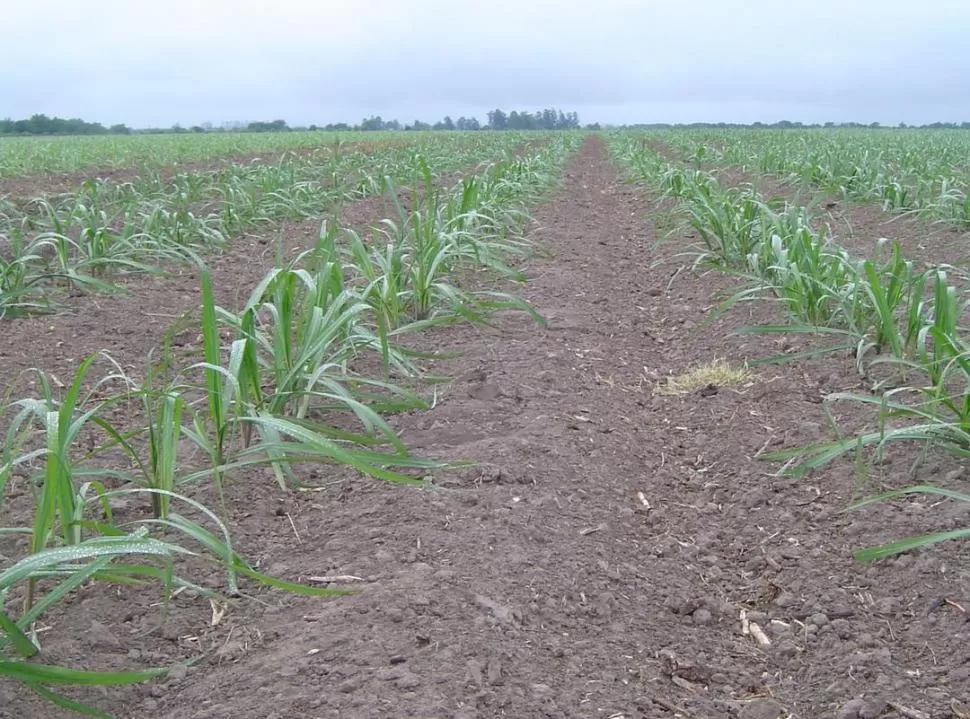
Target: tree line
44, 125
548, 119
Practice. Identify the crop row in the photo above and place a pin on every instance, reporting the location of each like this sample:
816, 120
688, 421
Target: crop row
903, 321
286, 389
82, 239
920, 172
24, 156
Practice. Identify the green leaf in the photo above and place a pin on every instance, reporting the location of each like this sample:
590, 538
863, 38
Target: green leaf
31, 673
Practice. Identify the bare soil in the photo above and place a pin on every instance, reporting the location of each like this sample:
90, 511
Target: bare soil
596, 562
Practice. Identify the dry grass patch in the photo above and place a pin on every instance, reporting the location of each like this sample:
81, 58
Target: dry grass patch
715, 374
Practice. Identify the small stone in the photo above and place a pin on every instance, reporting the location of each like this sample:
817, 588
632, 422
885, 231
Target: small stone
475, 673
954, 474
960, 674
408, 680
102, 637
840, 611
390, 674
818, 619
288, 670
842, 628
851, 709
494, 671
786, 600
886, 605
117, 504
177, 673
786, 648
761, 709
702, 617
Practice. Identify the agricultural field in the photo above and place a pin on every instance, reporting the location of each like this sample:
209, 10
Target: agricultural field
625, 424
30, 156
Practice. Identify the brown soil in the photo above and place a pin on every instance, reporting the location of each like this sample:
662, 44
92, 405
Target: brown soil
596, 563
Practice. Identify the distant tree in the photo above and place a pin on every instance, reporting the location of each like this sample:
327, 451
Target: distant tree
372, 124
498, 120
467, 123
274, 126
43, 125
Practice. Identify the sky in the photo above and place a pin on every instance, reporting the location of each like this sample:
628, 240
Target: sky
612, 61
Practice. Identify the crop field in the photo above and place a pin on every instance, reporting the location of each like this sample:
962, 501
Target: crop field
28, 156
619, 424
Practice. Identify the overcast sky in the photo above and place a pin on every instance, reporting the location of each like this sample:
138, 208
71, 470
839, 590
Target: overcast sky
151, 63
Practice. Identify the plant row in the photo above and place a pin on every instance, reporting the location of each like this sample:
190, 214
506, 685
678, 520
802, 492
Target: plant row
83, 239
919, 172
26, 156
305, 373
904, 324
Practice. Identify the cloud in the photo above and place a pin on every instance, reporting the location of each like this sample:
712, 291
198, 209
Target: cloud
614, 60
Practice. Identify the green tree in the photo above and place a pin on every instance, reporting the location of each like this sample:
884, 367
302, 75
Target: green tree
498, 120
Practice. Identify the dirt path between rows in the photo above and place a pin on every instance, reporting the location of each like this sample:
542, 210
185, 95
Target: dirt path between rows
596, 563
